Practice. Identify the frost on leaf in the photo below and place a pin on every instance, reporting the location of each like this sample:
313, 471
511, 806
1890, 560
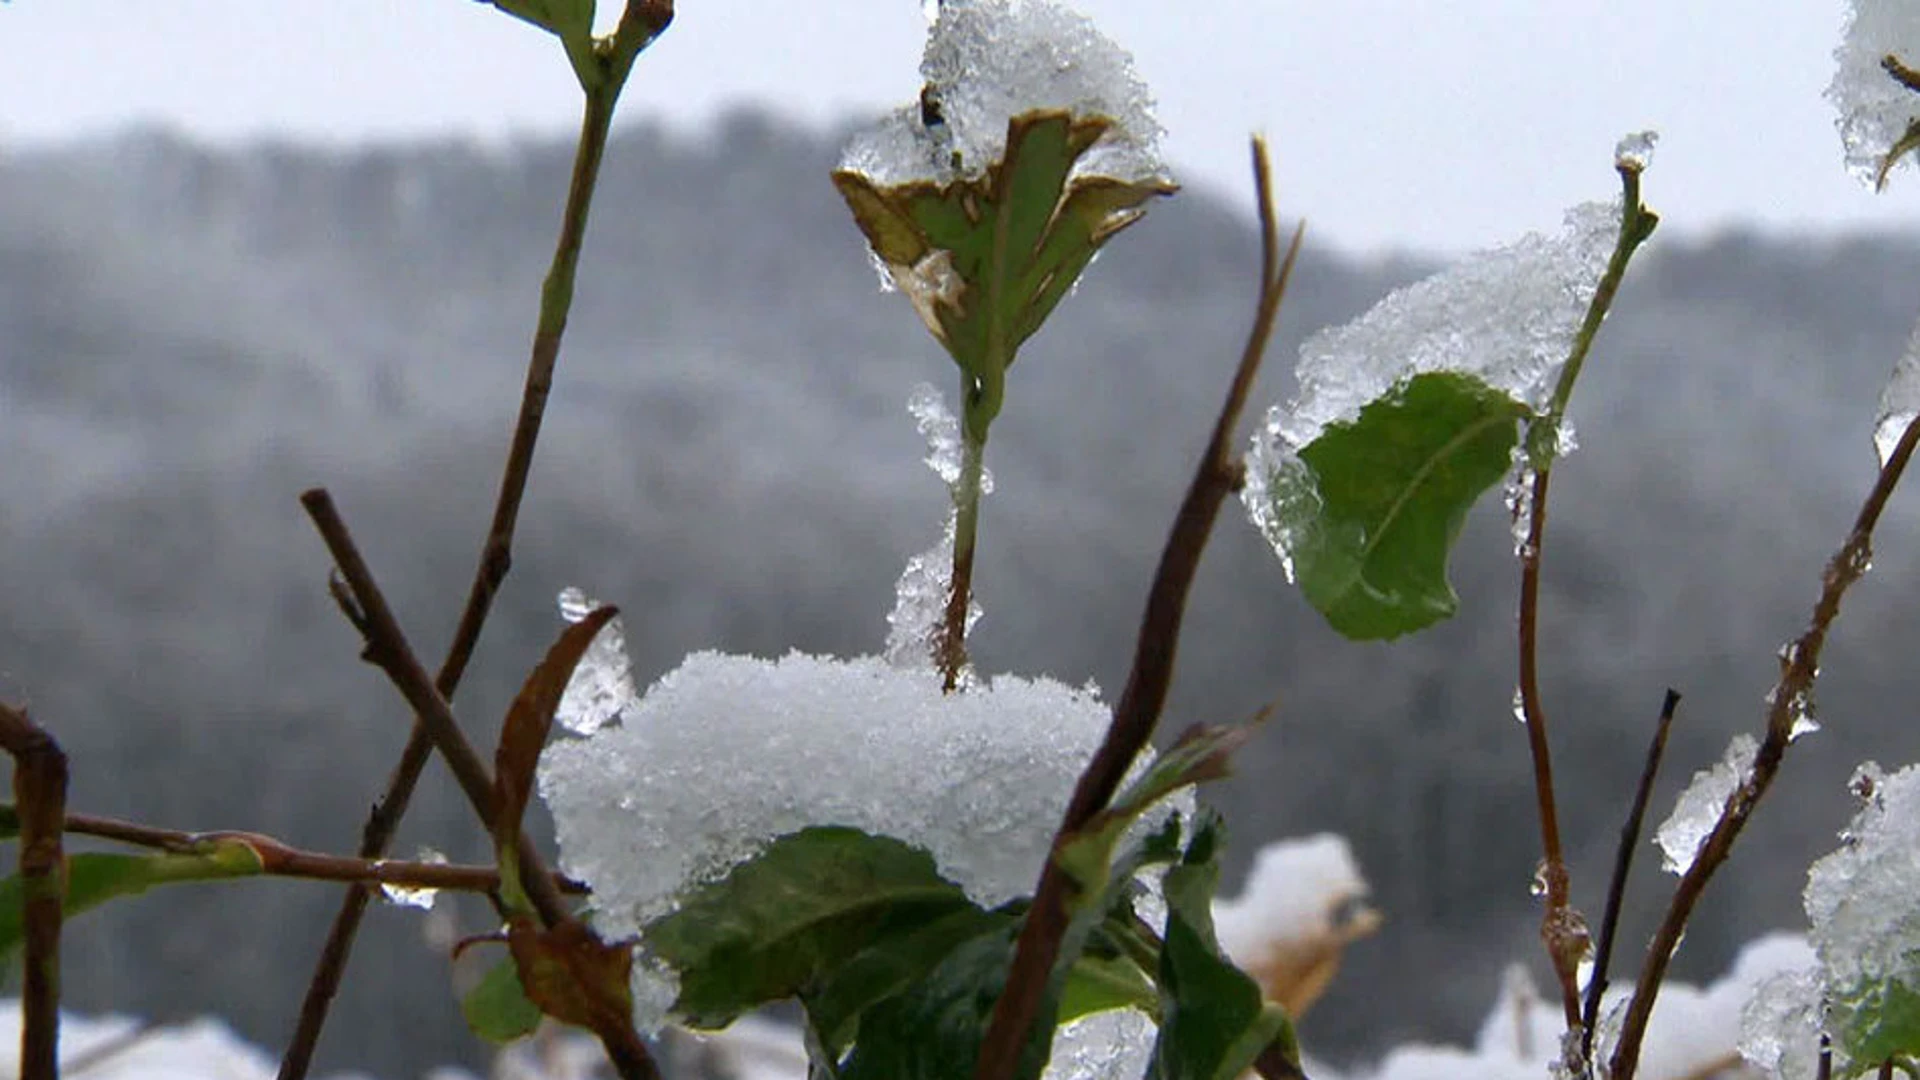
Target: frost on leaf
1699, 806
602, 683
988, 61
1876, 112
727, 753
920, 596
1900, 400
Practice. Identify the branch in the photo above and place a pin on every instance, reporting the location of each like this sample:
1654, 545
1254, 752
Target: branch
40, 792
280, 859
1617, 885
1563, 929
1799, 666
640, 23
387, 648
1220, 473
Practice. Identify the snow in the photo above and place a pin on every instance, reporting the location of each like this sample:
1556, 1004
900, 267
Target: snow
1874, 109
726, 753
1698, 808
1112, 1045
120, 1049
1303, 903
1899, 401
920, 597
1508, 316
1635, 151
603, 682
1780, 1025
987, 61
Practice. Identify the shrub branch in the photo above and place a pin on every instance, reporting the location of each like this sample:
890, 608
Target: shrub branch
1799, 665
640, 23
1220, 474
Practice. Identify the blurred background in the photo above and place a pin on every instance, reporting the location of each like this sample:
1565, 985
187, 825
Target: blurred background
244, 251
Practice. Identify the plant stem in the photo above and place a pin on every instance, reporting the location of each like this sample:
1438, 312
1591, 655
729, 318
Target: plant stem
1617, 885
1562, 928
1798, 669
1219, 473
952, 639
641, 22
40, 793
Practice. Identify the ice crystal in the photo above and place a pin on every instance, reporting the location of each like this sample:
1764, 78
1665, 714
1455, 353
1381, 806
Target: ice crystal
1635, 151
1698, 809
1899, 400
921, 594
422, 898
602, 683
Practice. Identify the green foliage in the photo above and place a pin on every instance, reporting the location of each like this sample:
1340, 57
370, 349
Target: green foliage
828, 914
1374, 514
1213, 1019
497, 1009
933, 1030
95, 878
985, 260
1875, 1022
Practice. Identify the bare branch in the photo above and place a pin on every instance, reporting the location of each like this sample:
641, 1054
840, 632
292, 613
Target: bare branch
1622, 863
1220, 474
1800, 664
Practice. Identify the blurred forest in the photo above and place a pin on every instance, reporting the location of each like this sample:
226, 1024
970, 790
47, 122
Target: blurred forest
190, 336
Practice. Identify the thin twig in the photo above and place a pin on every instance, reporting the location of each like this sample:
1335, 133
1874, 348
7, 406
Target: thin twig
284, 860
640, 23
1800, 664
388, 649
1563, 929
1622, 864
1560, 927
1220, 473
40, 793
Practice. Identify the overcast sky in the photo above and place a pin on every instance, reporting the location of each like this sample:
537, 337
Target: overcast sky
1439, 125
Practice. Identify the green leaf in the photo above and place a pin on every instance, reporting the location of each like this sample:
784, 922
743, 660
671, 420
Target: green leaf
933, 1030
95, 878
1876, 1022
1101, 983
497, 1009
570, 19
1374, 513
985, 260
888, 965
1214, 1021
827, 913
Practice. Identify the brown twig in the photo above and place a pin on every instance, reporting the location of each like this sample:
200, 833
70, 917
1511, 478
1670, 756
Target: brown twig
1622, 864
284, 860
40, 793
387, 648
1220, 473
1560, 927
1799, 665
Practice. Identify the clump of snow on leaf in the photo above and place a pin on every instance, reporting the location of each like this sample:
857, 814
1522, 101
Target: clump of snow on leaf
1507, 316
1303, 903
1875, 110
988, 61
1698, 809
726, 753
1899, 400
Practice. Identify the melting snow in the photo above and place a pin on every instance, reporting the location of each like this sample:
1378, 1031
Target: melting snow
1900, 400
1698, 809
